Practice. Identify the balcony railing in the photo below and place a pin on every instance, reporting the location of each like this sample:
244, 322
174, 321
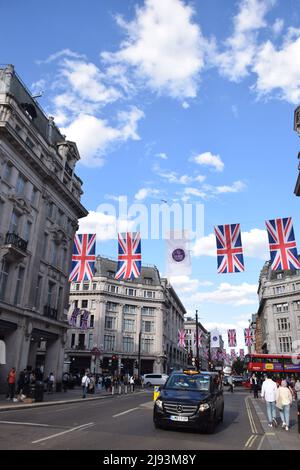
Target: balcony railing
50, 312
16, 241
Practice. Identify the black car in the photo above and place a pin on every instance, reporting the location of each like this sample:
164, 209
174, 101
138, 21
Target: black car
190, 399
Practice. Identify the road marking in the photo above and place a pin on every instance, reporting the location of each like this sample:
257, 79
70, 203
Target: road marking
125, 412
253, 440
28, 424
250, 416
83, 426
261, 441
248, 442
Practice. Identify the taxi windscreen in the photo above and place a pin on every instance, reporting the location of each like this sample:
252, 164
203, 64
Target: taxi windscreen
185, 382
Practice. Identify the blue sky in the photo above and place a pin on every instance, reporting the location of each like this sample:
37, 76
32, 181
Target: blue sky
187, 101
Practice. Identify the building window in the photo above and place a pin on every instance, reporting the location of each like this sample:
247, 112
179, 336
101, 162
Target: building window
113, 289
85, 286
20, 186
111, 307
148, 294
38, 292
111, 274
50, 210
279, 290
7, 172
27, 230
94, 285
14, 222
93, 304
128, 344
298, 322
147, 345
59, 297
131, 292
148, 326
297, 305
3, 278
77, 286
128, 324
92, 317
283, 324
129, 309
84, 303
50, 293
90, 345
81, 341
34, 194
54, 253
75, 303
73, 340
148, 281
110, 323
279, 276
109, 342
281, 308
148, 310
285, 344
45, 245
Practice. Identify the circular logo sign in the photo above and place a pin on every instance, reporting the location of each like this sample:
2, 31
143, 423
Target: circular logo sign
215, 338
178, 255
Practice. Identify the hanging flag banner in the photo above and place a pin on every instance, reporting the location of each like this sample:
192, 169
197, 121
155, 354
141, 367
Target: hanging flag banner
248, 337
181, 338
83, 258
232, 354
84, 320
231, 338
242, 354
129, 256
229, 248
283, 250
178, 260
73, 317
199, 338
215, 339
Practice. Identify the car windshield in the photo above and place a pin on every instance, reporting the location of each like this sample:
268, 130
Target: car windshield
186, 382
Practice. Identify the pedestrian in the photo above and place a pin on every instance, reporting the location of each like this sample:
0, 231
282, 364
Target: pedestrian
255, 386
65, 381
50, 382
268, 392
21, 382
11, 381
297, 389
284, 400
230, 383
85, 381
131, 381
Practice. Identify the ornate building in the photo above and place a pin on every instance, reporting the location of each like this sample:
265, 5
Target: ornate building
125, 317
39, 210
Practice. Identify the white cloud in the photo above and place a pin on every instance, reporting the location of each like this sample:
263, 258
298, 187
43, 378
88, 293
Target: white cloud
185, 284
144, 193
277, 27
157, 42
94, 135
59, 54
162, 155
255, 245
226, 293
208, 159
185, 105
270, 64
106, 226
236, 187
176, 178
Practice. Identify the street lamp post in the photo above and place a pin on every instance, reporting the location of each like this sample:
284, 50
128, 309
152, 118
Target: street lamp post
197, 340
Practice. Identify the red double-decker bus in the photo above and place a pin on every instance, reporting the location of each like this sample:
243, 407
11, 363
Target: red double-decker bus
282, 364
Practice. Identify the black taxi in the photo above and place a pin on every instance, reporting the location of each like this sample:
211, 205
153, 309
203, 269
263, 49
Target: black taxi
190, 399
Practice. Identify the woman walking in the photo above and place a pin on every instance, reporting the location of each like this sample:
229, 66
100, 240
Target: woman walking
284, 400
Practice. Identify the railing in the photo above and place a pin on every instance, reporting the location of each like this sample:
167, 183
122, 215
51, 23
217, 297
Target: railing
15, 240
50, 312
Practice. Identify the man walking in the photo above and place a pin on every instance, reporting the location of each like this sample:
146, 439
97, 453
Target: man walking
85, 383
230, 383
255, 386
11, 380
268, 392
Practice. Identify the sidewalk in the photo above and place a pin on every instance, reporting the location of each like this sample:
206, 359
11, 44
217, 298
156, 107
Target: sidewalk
278, 438
58, 398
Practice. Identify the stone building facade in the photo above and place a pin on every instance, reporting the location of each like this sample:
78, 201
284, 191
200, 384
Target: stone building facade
278, 316
125, 316
39, 210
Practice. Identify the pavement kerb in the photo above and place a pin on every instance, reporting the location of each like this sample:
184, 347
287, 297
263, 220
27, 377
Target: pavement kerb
269, 433
60, 402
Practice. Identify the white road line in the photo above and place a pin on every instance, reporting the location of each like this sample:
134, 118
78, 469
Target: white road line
261, 441
125, 412
63, 432
252, 442
28, 424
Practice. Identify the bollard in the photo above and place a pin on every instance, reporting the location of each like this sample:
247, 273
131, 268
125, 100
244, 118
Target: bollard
113, 390
120, 389
126, 389
156, 393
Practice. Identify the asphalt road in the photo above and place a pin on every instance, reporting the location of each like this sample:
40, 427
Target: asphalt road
124, 423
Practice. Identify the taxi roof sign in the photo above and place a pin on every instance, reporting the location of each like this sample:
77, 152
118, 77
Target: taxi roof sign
190, 371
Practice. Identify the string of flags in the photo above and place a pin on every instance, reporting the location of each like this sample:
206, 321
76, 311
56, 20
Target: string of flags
230, 258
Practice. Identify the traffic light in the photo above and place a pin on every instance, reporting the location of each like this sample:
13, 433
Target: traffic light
114, 361
136, 364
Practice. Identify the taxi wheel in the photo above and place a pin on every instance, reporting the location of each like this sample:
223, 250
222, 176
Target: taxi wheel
210, 428
221, 415
157, 426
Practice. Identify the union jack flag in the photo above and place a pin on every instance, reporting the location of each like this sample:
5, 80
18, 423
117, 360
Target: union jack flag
282, 244
248, 337
129, 256
73, 318
242, 355
232, 354
199, 338
84, 320
181, 338
231, 338
83, 258
229, 248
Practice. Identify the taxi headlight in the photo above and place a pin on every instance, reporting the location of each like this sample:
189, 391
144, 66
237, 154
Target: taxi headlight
203, 407
159, 404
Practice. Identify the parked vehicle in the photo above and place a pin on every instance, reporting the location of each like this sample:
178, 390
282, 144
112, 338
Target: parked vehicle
190, 399
155, 379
